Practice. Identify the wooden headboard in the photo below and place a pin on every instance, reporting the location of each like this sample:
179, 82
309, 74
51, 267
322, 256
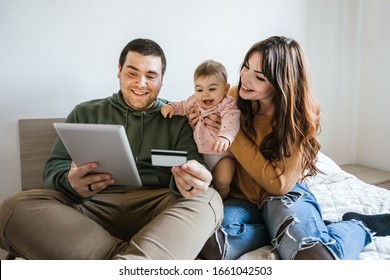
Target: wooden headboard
37, 137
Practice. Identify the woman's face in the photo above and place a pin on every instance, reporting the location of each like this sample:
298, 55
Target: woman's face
254, 85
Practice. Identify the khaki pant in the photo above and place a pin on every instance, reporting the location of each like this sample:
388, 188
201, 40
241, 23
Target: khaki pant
114, 224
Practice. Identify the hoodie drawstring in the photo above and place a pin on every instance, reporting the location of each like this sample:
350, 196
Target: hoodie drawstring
142, 134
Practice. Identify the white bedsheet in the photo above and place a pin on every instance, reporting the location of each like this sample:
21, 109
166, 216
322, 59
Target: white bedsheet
339, 192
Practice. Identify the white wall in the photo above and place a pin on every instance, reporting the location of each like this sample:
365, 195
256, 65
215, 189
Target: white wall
373, 147
333, 47
55, 54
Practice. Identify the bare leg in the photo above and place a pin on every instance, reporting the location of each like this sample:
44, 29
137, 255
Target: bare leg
222, 175
316, 252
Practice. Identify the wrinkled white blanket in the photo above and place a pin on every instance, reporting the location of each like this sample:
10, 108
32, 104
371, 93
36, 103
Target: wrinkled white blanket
339, 192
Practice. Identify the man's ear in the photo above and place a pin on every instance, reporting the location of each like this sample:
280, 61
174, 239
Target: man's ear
119, 71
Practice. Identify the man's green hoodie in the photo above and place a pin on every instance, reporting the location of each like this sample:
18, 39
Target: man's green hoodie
145, 130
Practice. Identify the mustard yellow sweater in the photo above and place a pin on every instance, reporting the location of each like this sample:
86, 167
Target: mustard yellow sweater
256, 177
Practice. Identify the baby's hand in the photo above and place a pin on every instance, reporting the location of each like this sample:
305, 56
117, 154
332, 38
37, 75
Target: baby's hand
167, 110
221, 144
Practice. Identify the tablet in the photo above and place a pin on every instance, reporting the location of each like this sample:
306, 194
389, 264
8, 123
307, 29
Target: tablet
105, 144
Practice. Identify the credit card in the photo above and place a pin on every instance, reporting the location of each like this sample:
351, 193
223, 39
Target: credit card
168, 157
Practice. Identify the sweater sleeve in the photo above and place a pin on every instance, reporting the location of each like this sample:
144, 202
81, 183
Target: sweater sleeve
263, 171
58, 165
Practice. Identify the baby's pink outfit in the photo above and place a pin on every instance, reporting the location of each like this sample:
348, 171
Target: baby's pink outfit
203, 136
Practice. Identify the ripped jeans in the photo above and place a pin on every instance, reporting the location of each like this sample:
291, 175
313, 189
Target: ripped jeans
245, 226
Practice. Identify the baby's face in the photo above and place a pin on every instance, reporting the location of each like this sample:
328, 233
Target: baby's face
209, 91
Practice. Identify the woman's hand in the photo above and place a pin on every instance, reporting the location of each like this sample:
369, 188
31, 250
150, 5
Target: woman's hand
212, 121
193, 117
191, 178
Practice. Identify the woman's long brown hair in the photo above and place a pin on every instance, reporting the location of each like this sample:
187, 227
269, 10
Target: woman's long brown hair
295, 122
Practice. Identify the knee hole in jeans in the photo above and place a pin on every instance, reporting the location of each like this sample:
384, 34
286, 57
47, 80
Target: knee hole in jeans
282, 230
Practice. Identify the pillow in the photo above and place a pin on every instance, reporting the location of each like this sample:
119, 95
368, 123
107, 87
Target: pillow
329, 171
326, 165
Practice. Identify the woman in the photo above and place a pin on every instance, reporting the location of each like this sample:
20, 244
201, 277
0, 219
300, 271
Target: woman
276, 149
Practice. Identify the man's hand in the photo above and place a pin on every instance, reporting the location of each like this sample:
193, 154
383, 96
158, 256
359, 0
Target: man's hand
191, 178
86, 184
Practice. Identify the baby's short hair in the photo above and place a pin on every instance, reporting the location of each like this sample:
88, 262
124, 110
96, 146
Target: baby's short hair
211, 67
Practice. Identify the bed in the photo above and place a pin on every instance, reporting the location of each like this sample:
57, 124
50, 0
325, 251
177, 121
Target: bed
339, 192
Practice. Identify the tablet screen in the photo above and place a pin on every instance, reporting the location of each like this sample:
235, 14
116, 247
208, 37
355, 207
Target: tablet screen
105, 144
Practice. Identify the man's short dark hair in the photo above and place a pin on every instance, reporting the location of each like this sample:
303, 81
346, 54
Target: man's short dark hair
144, 47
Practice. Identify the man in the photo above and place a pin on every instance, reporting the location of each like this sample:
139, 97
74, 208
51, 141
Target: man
82, 215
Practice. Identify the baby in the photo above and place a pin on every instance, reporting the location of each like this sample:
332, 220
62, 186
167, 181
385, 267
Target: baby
210, 97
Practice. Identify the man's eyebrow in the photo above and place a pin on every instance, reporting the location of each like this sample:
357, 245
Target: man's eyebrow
132, 67
136, 69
